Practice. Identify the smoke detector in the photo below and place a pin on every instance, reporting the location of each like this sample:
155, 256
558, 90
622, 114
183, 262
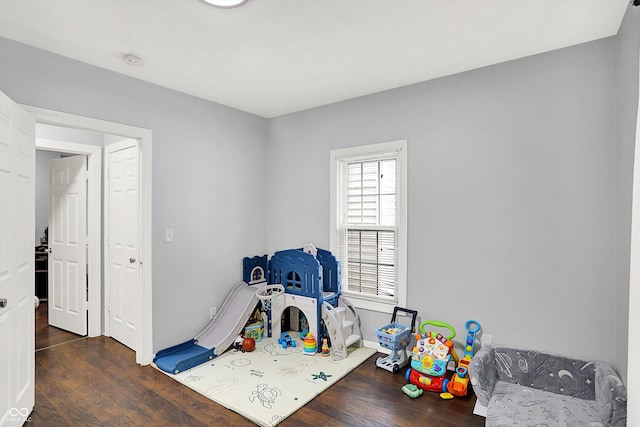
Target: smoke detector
132, 59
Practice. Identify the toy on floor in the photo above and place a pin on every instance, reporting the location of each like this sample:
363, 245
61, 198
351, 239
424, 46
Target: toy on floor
218, 336
244, 344
285, 340
255, 326
431, 355
325, 347
459, 384
310, 345
412, 391
249, 344
396, 337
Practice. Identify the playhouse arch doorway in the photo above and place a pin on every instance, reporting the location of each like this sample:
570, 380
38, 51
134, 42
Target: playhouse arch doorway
306, 306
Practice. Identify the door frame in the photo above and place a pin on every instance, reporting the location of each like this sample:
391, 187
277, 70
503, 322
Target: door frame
97, 313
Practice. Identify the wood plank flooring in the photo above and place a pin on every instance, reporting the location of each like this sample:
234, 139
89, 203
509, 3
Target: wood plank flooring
96, 382
46, 335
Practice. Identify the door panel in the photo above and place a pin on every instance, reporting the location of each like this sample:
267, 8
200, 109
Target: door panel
17, 238
67, 244
123, 258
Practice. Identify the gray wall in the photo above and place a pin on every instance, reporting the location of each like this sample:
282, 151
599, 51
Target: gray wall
628, 48
512, 194
207, 172
516, 209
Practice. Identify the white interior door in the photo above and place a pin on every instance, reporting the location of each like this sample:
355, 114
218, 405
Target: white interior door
123, 265
68, 244
17, 238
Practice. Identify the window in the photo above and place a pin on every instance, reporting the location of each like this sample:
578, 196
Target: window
368, 223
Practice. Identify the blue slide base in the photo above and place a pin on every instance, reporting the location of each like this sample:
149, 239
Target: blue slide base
182, 357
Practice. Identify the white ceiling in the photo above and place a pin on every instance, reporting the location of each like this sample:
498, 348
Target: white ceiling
273, 57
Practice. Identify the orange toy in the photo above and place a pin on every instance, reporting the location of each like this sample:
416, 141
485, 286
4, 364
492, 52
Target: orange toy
248, 344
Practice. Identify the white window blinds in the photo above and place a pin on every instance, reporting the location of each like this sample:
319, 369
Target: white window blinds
368, 225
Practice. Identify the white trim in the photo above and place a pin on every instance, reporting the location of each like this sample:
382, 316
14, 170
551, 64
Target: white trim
633, 350
94, 223
399, 148
376, 346
144, 355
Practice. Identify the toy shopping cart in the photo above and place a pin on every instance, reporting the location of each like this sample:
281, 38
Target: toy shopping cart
396, 337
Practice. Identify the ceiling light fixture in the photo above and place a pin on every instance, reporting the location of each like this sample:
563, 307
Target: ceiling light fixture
225, 3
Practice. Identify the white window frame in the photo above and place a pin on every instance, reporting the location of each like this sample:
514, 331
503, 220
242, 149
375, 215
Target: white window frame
373, 151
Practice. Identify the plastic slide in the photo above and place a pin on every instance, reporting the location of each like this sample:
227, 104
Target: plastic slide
216, 338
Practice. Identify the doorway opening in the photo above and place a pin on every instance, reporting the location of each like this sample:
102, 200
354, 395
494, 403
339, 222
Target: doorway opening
96, 283
61, 188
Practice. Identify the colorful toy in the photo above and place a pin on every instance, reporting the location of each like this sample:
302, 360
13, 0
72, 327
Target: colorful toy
285, 340
325, 347
310, 345
459, 383
412, 391
396, 337
430, 358
254, 329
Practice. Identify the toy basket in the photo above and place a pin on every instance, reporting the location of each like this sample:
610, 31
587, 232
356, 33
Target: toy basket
397, 340
396, 337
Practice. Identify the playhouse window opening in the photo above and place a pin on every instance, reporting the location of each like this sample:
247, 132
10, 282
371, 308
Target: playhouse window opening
258, 274
294, 280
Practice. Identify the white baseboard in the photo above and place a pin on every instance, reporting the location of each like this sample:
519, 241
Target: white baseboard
374, 345
480, 409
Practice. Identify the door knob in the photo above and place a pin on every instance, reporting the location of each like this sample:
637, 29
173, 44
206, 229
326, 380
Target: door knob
132, 260
3, 303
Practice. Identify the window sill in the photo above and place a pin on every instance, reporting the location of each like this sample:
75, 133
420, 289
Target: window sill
368, 304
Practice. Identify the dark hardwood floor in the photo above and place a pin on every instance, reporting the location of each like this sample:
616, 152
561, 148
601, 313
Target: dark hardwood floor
96, 382
46, 335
